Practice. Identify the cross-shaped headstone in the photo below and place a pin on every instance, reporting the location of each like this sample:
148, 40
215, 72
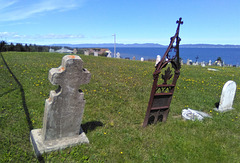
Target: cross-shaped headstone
64, 108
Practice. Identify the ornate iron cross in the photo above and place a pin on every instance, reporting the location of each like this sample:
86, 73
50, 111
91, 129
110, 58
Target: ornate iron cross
161, 94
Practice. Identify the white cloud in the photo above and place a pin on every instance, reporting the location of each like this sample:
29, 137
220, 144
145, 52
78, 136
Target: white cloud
22, 9
6, 34
57, 36
15, 37
6, 4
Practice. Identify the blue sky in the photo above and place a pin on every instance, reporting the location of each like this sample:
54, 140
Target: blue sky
134, 21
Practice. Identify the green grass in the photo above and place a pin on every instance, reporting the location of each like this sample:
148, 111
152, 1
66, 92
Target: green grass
117, 97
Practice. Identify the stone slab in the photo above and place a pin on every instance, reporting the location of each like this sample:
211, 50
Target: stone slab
41, 147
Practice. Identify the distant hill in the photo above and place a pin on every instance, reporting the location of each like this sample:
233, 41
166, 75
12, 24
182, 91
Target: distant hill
208, 46
109, 45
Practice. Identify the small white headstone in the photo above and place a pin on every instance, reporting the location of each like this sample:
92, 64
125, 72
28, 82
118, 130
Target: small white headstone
227, 96
86, 52
74, 51
109, 54
95, 53
181, 62
210, 63
51, 50
142, 59
118, 55
158, 59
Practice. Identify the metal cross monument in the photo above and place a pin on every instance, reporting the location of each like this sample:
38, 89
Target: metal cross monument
161, 94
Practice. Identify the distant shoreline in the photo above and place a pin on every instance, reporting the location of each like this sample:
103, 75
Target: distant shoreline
147, 45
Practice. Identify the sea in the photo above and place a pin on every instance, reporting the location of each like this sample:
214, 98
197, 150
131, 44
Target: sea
230, 56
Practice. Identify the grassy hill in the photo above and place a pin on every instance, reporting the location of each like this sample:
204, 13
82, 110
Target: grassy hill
117, 98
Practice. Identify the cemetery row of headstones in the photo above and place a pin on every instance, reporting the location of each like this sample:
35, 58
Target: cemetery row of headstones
64, 108
95, 53
209, 63
109, 55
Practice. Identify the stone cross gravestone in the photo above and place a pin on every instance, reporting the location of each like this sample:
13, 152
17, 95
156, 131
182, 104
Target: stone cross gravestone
227, 96
64, 108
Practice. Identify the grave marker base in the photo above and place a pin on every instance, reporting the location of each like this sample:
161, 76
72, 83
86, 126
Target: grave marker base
222, 111
41, 146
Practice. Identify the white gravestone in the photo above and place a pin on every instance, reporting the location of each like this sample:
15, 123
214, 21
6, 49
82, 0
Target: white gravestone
64, 108
210, 63
227, 96
142, 59
158, 59
182, 62
86, 52
118, 55
109, 54
74, 51
95, 53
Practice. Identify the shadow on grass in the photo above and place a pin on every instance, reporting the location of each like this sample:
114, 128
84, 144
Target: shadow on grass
30, 125
11, 90
89, 126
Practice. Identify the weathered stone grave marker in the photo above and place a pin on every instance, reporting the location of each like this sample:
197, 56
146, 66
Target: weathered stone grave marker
227, 96
64, 108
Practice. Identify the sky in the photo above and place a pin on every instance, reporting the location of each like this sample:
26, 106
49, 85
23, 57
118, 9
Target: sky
47, 22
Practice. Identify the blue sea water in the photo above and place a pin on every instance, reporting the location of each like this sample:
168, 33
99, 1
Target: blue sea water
228, 55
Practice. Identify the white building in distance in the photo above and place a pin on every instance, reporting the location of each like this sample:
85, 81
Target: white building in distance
64, 50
